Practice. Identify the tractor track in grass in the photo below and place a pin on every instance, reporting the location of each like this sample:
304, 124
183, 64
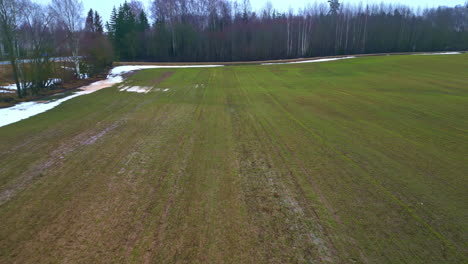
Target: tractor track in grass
156, 240
55, 158
312, 182
169, 204
162, 119
256, 119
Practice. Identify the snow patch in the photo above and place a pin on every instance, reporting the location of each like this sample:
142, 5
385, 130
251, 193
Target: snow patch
309, 61
137, 89
84, 76
440, 53
96, 86
9, 87
25, 110
6, 91
12, 87
119, 70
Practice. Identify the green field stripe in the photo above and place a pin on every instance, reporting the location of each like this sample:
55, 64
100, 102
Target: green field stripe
371, 179
286, 156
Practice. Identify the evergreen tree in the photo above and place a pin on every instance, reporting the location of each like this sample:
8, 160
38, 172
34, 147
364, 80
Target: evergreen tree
97, 48
89, 24
142, 28
98, 28
112, 23
334, 6
125, 37
143, 23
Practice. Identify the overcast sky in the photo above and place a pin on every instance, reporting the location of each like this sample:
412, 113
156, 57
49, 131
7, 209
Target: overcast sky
104, 7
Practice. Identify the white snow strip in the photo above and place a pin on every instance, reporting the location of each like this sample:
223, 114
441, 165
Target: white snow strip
440, 53
137, 89
309, 61
25, 110
119, 70
6, 91
84, 76
9, 87
55, 81
13, 86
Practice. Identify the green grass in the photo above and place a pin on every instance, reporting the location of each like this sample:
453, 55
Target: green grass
353, 161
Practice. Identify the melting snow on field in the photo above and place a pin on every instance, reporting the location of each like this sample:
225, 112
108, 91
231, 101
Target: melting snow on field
12, 87
24, 110
309, 61
136, 89
119, 70
142, 89
440, 53
8, 89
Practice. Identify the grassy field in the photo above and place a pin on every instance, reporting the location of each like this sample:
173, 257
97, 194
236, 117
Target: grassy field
354, 161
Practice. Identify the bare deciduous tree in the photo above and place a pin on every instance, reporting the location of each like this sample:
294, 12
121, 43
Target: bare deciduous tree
70, 14
136, 6
36, 41
11, 14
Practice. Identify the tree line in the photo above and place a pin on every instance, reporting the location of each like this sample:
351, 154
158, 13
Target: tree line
46, 44
223, 30
210, 30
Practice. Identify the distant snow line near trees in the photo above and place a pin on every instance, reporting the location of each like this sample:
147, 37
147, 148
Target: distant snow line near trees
27, 109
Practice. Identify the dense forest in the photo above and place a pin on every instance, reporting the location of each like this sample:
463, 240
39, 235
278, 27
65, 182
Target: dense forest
221, 30
210, 30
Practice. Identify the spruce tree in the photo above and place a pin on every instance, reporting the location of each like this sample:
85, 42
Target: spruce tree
143, 24
334, 6
89, 24
98, 28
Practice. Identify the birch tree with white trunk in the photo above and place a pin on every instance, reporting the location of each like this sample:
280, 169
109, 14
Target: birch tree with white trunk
70, 14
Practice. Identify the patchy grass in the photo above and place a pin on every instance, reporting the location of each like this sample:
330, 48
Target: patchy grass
360, 160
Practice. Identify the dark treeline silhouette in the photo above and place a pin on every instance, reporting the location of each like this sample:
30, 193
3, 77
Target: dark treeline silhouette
222, 30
